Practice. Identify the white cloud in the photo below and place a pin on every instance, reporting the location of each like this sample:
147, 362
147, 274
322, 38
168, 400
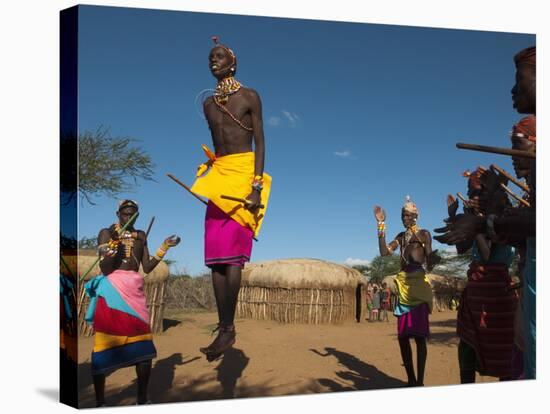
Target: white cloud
274, 121
292, 117
343, 154
356, 262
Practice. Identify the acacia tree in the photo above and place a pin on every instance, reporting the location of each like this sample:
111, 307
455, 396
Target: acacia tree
453, 264
107, 165
382, 266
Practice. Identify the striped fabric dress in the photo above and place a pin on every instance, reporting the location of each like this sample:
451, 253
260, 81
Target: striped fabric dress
119, 314
485, 319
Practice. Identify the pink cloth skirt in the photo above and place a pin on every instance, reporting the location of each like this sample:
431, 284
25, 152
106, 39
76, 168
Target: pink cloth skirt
226, 242
414, 323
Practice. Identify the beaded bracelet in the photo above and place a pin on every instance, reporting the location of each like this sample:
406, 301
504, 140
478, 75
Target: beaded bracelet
161, 251
381, 227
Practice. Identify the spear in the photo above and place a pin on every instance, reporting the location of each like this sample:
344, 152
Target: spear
187, 188
194, 195
515, 196
521, 185
497, 150
122, 230
149, 228
240, 200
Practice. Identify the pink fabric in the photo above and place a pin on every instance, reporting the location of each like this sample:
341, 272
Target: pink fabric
225, 240
129, 285
415, 322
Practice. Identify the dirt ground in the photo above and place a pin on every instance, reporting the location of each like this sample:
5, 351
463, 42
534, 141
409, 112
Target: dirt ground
273, 359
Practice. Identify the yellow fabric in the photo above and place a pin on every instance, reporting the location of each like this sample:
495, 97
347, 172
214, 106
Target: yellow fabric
104, 341
68, 344
414, 288
232, 175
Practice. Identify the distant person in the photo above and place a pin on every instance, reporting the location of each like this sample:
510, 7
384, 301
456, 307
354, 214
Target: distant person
369, 302
454, 304
375, 304
385, 295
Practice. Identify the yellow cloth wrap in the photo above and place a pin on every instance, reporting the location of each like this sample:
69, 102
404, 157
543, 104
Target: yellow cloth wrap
104, 341
69, 345
232, 175
414, 288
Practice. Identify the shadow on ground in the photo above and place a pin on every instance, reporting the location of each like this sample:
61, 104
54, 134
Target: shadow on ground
358, 375
446, 338
169, 323
449, 323
221, 383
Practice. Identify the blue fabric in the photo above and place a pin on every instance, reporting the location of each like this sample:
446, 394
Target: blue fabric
529, 309
401, 309
500, 253
100, 286
111, 359
65, 288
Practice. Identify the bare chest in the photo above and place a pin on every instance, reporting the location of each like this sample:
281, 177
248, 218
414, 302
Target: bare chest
219, 115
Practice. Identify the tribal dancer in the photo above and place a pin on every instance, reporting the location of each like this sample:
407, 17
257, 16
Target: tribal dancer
464, 228
485, 319
234, 115
525, 102
118, 307
414, 291
523, 137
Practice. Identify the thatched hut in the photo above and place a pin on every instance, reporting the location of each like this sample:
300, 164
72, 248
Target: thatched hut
301, 291
444, 288
154, 288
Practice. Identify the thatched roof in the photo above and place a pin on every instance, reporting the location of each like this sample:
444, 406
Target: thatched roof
301, 274
439, 283
87, 257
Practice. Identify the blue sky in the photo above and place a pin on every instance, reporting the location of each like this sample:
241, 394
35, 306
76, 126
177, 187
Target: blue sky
354, 115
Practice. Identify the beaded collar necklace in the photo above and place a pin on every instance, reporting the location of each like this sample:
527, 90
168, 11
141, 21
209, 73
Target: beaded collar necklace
224, 88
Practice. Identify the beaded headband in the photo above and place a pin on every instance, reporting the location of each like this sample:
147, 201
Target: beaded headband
216, 40
127, 203
410, 206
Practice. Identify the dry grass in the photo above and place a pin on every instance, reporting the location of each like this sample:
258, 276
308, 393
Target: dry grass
190, 293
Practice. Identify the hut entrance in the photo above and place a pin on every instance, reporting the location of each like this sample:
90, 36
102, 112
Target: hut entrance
358, 303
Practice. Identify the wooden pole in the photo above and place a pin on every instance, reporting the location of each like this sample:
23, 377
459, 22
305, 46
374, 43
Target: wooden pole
496, 150
515, 196
464, 200
517, 182
149, 227
187, 188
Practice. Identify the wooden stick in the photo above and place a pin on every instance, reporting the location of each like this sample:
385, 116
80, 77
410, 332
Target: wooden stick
122, 230
196, 196
240, 200
149, 228
497, 150
464, 200
521, 185
187, 188
518, 198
